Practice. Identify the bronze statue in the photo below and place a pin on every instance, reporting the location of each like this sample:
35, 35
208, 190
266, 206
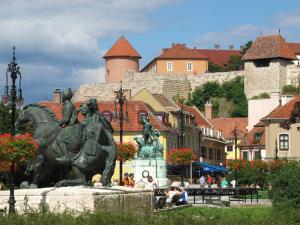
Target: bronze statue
71, 127
147, 131
90, 147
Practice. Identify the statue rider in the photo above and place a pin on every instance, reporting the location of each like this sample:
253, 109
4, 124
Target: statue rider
96, 116
147, 130
68, 123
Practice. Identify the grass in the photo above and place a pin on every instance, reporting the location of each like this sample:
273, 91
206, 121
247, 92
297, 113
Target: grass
189, 216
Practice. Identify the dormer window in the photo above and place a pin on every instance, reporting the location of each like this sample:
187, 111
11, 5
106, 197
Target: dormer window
107, 115
142, 115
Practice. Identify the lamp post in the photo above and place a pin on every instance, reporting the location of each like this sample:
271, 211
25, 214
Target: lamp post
15, 99
120, 98
276, 151
180, 115
235, 134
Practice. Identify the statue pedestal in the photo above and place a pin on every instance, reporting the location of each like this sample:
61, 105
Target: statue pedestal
157, 168
80, 199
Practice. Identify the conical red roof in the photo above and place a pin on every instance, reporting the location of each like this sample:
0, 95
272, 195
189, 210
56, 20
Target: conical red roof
122, 47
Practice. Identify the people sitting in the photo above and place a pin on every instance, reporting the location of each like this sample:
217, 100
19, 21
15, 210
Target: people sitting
224, 183
131, 180
151, 183
125, 180
183, 197
171, 193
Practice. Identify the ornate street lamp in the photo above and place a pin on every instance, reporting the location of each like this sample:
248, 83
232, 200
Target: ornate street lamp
235, 136
120, 98
14, 99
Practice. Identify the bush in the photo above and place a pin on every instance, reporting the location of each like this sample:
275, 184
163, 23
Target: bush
290, 90
285, 186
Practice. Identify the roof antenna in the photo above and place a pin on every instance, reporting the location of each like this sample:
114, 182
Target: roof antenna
122, 32
260, 33
279, 31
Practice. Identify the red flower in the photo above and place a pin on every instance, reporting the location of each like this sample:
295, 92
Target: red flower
180, 156
126, 151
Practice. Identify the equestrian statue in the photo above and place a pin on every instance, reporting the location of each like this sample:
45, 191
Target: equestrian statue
70, 152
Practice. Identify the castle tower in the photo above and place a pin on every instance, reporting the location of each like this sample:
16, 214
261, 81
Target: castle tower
266, 63
120, 58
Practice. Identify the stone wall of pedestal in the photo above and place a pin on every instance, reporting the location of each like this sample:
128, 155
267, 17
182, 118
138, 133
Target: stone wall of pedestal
157, 168
80, 199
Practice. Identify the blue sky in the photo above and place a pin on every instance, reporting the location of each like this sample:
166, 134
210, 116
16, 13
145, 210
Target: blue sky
60, 43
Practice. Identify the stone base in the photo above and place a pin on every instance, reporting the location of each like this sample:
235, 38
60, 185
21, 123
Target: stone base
157, 168
80, 199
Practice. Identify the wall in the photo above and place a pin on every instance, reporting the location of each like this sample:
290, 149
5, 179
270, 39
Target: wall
115, 68
180, 66
272, 131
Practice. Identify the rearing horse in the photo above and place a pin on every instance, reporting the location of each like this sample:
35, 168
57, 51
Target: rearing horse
85, 163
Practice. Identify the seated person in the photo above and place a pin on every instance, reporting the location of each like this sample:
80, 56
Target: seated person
125, 180
170, 194
183, 197
131, 180
151, 183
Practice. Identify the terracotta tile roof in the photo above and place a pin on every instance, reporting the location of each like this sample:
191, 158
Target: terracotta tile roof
295, 47
283, 112
268, 47
122, 47
134, 107
227, 125
180, 51
220, 57
166, 102
249, 140
199, 118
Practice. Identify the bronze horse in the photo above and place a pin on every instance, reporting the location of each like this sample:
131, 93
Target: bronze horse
97, 154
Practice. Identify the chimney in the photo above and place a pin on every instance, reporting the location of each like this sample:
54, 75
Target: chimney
231, 47
217, 47
208, 110
57, 96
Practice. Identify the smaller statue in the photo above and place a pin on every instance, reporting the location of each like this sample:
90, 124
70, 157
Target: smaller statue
147, 131
149, 145
69, 123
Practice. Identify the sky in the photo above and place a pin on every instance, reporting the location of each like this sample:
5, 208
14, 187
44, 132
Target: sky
60, 43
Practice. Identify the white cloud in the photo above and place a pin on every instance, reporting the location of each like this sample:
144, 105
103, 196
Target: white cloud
289, 19
59, 39
234, 36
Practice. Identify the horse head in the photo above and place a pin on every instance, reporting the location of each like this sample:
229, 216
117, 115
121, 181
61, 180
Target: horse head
37, 115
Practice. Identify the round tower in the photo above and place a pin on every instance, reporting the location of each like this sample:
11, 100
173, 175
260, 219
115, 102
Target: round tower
120, 58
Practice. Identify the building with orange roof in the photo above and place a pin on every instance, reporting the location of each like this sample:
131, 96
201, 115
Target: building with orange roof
228, 126
120, 58
179, 59
252, 145
286, 142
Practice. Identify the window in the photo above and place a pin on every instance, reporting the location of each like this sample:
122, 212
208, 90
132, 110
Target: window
229, 147
107, 115
256, 155
142, 115
245, 155
189, 66
169, 66
257, 136
262, 62
283, 142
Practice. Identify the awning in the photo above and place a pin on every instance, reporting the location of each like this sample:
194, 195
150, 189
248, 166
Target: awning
210, 168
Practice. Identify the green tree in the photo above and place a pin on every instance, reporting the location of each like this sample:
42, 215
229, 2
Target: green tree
235, 63
246, 46
232, 91
290, 90
213, 68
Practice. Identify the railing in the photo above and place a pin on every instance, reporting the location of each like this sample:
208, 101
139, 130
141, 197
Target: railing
234, 194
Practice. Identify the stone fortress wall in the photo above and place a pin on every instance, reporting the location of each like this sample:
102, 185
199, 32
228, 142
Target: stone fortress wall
256, 80
168, 84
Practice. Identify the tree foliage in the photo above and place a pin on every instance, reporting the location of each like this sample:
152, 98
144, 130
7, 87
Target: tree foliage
290, 90
230, 92
235, 61
180, 156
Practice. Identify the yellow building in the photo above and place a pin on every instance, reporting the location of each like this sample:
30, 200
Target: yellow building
178, 59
